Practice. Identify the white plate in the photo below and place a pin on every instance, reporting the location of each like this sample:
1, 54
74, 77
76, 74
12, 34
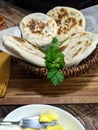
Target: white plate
64, 118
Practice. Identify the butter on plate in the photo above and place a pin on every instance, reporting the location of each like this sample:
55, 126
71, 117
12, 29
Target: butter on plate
56, 127
47, 117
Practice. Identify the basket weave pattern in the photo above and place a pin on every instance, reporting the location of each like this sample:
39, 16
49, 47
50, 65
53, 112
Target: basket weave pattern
81, 68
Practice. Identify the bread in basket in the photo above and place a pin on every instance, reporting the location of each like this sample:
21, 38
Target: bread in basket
39, 29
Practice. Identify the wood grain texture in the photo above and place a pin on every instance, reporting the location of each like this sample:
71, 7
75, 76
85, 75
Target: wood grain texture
73, 95
26, 88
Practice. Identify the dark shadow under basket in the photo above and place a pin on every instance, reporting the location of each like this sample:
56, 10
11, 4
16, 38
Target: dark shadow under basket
81, 68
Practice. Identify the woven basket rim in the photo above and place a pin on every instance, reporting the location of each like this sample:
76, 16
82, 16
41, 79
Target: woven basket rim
81, 68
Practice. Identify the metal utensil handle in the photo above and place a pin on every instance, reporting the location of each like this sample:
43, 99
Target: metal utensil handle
8, 123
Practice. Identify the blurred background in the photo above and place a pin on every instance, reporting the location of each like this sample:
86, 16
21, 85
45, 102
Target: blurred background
45, 5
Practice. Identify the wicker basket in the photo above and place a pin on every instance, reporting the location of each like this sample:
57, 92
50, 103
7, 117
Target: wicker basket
3, 25
81, 68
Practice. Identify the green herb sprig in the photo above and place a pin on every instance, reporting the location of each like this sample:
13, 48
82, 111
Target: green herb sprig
54, 62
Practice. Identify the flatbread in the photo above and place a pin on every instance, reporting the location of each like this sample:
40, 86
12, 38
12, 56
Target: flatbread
38, 29
25, 50
78, 47
68, 20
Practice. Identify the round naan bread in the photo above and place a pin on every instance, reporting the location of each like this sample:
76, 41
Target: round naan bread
78, 47
68, 20
24, 50
38, 29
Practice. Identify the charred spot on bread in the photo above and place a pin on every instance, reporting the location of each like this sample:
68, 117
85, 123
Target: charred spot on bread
19, 39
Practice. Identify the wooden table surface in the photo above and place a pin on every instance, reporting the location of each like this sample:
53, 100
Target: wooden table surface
77, 95
24, 87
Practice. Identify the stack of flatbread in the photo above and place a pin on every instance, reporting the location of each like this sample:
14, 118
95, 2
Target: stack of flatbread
39, 29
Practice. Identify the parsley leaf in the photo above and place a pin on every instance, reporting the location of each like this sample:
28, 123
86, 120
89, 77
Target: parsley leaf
55, 76
54, 62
